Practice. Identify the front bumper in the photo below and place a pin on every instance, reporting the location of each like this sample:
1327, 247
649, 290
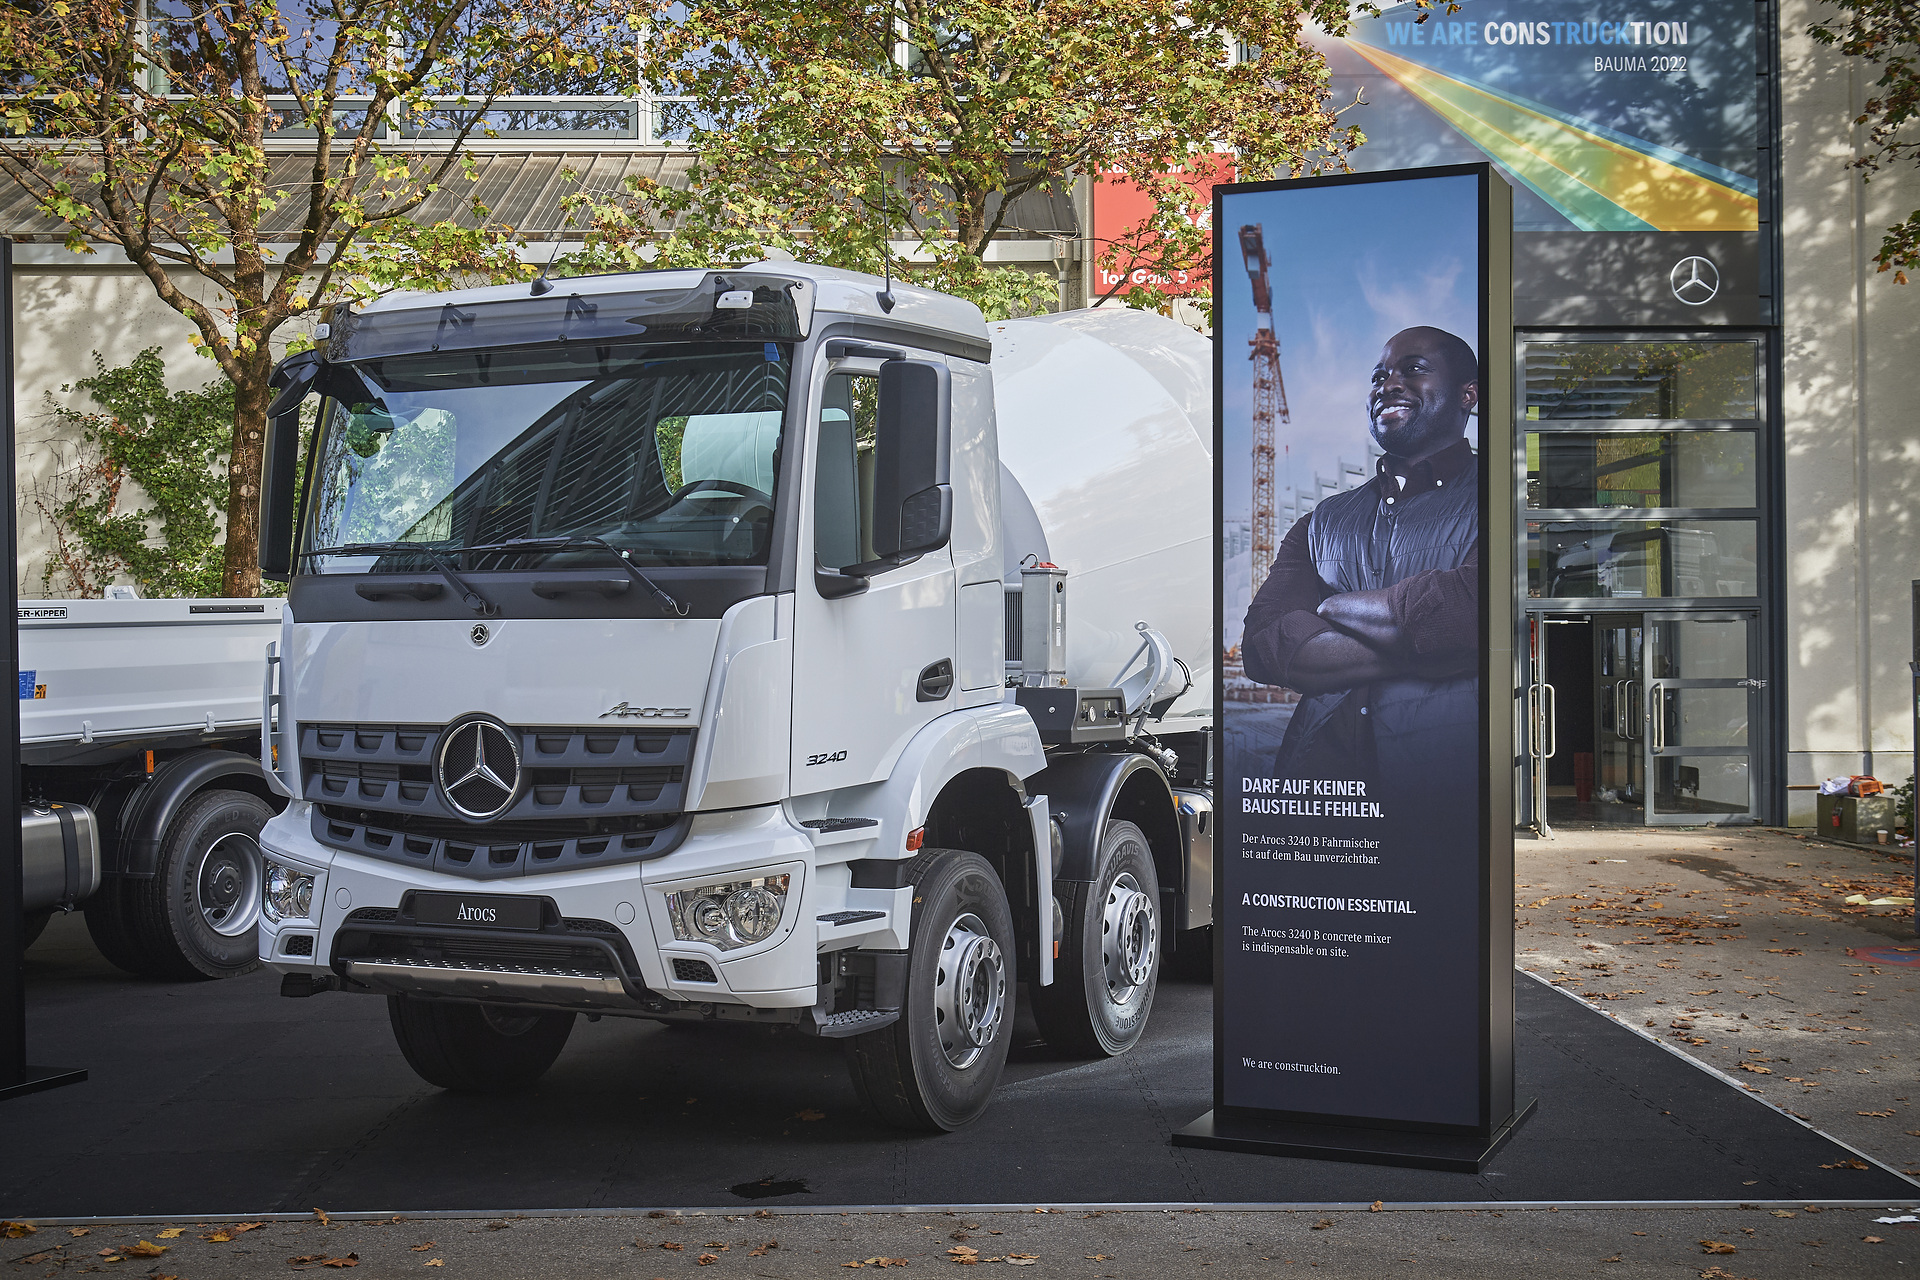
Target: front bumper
607, 942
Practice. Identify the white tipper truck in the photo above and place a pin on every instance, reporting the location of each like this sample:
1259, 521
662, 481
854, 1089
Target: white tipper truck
769, 645
141, 776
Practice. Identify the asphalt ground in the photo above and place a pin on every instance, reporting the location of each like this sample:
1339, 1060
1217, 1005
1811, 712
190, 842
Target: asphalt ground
225, 1098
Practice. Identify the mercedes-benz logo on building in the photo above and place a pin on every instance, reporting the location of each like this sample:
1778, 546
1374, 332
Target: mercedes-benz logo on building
1695, 280
478, 768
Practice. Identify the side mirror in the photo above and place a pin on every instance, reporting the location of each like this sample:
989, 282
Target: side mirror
293, 379
912, 494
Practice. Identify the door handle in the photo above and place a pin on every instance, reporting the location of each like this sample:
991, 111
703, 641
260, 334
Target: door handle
936, 681
1622, 726
1657, 715
1550, 717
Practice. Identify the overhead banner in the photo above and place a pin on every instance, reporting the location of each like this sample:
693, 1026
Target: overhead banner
1634, 142
1363, 336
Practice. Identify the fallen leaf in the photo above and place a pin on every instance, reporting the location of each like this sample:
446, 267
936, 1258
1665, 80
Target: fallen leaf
305, 1258
707, 1259
963, 1251
218, 1237
1614, 1258
433, 1262
81, 1231
1377, 1206
1873, 1113
321, 1214
1846, 1164
1098, 1257
1321, 1225
422, 1248
146, 1249
174, 1233
1716, 1246
1872, 1240
668, 1244
15, 1230
809, 1114
351, 1260
1754, 1067
1021, 1259
1783, 1213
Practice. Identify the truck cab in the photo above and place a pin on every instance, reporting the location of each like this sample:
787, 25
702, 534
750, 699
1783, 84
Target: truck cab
647, 653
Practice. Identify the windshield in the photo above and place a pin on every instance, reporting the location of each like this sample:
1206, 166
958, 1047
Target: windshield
669, 453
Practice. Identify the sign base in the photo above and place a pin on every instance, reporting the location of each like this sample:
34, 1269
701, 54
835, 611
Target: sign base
1453, 1153
39, 1078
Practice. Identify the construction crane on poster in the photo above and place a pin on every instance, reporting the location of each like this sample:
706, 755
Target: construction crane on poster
1269, 403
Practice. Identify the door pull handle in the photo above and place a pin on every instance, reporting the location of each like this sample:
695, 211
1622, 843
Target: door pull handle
936, 681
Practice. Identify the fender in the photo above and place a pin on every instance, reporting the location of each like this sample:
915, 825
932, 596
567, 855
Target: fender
1084, 791
999, 736
152, 804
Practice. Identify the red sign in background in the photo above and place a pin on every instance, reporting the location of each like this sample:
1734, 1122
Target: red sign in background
1121, 208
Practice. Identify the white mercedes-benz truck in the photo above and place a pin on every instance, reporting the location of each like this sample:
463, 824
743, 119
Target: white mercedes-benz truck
768, 645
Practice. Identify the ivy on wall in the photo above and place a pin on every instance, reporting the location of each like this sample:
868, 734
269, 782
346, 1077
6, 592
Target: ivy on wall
173, 446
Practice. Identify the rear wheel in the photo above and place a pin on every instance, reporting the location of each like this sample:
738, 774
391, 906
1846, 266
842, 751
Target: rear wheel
937, 1067
476, 1048
197, 917
1109, 966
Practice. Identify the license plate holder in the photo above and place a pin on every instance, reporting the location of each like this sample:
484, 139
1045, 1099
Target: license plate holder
479, 910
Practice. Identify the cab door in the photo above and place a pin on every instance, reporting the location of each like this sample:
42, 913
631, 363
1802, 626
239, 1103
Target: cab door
871, 667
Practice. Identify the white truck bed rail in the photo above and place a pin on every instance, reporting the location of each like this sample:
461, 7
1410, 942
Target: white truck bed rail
97, 671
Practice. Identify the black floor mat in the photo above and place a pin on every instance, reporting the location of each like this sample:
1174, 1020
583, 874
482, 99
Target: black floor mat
223, 1097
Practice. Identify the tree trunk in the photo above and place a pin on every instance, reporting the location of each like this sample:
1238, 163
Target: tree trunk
240, 575
972, 211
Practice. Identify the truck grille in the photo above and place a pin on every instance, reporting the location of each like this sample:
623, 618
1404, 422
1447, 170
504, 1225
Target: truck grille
565, 773
580, 946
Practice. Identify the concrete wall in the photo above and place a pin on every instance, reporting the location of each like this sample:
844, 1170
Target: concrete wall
63, 312
1852, 379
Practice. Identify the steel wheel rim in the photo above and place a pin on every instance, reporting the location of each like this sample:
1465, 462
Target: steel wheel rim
1129, 939
969, 991
227, 885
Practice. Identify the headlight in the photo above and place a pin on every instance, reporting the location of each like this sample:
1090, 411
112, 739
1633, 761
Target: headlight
288, 894
738, 913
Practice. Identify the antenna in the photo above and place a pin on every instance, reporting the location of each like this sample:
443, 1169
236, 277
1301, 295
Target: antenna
885, 296
542, 285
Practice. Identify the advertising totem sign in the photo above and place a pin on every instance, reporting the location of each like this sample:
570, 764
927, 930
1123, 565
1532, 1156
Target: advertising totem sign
1363, 452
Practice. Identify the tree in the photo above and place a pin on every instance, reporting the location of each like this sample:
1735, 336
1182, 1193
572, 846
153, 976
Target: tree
1886, 33
828, 127
146, 129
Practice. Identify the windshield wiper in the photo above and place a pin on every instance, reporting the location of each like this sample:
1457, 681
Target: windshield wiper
468, 596
581, 543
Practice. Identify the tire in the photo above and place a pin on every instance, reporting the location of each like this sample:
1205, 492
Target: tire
32, 926
110, 925
476, 1048
198, 917
1109, 965
927, 1072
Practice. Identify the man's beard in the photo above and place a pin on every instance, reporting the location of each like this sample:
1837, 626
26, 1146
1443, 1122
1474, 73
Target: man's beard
1425, 431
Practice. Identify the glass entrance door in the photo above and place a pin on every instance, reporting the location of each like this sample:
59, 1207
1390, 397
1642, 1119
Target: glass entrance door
1619, 755
1700, 705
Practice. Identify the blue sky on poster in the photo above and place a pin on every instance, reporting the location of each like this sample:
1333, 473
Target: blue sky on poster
1351, 266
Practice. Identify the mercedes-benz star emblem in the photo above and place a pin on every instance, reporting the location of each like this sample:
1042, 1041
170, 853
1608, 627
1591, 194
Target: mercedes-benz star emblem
479, 635
1695, 280
478, 768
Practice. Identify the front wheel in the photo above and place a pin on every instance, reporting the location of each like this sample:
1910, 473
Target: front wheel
1109, 966
476, 1048
936, 1068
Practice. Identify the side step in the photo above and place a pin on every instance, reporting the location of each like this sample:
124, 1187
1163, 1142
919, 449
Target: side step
853, 1022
